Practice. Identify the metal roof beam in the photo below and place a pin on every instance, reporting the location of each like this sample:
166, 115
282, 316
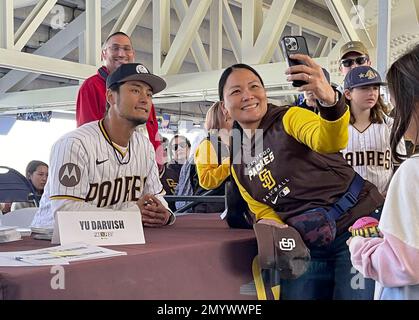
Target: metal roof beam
271, 31
130, 16
349, 21
231, 30
58, 47
49, 49
181, 87
252, 21
300, 21
277, 56
296, 30
416, 6
161, 33
32, 22
216, 34
185, 36
334, 61
320, 46
92, 37
343, 20
29, 77
35, 99
6, 25
22, 61
383, 36
327, 47
310, 25
198, 50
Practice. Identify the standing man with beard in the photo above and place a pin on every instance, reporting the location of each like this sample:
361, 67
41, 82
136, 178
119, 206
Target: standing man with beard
91, 99
107, 164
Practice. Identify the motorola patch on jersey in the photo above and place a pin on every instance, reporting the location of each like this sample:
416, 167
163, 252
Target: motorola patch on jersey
69, 175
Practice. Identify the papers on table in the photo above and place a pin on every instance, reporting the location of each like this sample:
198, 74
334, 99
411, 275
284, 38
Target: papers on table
24, 232
59, 255
8, 234
42, 233
48, 230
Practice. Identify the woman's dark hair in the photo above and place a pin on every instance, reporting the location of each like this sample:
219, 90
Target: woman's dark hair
228, 71
403, 84
376, 113
32, 166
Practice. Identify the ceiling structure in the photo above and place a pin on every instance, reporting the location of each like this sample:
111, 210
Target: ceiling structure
47, 47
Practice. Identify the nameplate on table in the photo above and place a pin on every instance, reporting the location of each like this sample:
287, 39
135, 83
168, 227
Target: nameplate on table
100, 227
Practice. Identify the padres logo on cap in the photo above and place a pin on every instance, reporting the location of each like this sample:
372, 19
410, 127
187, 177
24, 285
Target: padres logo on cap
141, 69
287, 244
369, 75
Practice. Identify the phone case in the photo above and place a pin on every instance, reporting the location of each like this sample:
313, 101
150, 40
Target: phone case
288, 48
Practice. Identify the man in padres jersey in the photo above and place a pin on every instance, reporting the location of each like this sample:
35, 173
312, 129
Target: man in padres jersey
106, 164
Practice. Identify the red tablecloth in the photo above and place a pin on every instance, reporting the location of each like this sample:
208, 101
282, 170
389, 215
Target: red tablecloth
198, 257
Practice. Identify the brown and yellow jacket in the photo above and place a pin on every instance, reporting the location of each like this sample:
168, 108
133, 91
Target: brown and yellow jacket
293, 164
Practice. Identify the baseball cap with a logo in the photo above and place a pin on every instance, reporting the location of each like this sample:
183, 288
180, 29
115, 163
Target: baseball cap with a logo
282, 249
135, 72
361, 77
353, 46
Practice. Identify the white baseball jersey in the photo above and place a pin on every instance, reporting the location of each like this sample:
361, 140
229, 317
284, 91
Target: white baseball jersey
88, 172
369, 153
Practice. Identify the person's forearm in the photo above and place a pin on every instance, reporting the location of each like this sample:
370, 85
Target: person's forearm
387, 260
319, 134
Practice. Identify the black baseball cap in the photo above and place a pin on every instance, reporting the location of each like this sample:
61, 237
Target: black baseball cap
361, 77
135, 72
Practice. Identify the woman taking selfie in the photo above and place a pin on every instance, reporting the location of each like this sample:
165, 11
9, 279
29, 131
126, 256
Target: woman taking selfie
288, 168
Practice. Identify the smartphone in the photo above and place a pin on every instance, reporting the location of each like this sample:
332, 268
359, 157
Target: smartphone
291, 45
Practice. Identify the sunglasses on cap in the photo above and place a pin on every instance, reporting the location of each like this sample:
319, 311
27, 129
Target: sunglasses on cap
350, 61
182, 145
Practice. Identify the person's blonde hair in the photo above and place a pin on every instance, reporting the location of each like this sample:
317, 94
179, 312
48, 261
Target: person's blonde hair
214, 117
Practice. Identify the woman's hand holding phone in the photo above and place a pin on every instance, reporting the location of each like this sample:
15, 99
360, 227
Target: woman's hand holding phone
311, 73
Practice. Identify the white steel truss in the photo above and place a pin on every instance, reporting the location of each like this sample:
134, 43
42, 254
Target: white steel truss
210, 30
57, 47
6, 25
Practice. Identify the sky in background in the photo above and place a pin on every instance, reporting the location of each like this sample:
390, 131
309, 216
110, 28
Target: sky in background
31, 140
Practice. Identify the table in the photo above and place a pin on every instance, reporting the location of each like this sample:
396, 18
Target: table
199, 257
